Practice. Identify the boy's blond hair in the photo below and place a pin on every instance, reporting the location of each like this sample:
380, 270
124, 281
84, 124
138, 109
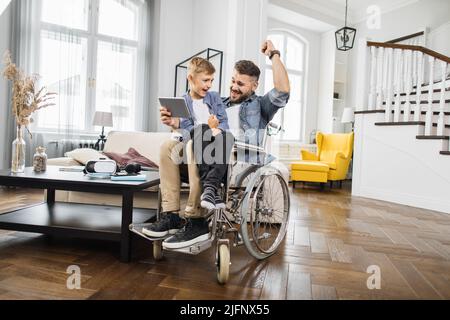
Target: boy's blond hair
199, 65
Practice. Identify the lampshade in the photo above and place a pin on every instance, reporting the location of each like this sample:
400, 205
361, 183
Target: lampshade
103, 119
348, 116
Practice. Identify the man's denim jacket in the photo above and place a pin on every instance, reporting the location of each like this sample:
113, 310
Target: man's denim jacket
256, 112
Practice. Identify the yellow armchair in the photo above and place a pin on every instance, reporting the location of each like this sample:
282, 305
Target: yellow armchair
330, 163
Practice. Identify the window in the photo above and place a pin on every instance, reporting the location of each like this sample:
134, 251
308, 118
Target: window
293, 53
89, 55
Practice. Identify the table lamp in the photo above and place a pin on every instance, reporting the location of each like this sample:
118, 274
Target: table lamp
348, 116
102, 119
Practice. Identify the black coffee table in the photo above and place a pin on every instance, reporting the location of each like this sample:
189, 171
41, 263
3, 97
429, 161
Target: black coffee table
78, 220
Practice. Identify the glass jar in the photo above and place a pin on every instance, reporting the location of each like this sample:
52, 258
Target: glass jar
18, 152
40, 160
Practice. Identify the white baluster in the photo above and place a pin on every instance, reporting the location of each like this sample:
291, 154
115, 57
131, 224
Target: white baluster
389, 84
441, 123
372, 78
420, 70
398, 86
414, 68
379, 84
429, 116
408, 84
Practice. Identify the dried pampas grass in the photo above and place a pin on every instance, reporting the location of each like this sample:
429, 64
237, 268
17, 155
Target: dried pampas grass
26, 99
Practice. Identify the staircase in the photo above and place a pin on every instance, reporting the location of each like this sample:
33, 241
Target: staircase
402, 130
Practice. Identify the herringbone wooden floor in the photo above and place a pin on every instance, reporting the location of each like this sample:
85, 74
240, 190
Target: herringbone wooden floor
332, 239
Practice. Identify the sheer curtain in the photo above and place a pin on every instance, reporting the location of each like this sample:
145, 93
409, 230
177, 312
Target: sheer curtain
93, 54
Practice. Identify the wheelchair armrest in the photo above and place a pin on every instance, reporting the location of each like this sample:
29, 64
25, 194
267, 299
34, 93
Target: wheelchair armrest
245, 146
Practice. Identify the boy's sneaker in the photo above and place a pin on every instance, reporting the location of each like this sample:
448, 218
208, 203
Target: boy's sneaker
208, 198
169, 224
219, 202
196, 230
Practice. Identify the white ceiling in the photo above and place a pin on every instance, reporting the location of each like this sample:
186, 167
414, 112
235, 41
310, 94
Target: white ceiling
298, 19
3, 5
357, 8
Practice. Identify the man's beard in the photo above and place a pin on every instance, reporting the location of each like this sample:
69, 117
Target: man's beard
242, 98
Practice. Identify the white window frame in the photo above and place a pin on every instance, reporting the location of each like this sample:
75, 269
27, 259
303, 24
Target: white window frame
93, 38
303, 74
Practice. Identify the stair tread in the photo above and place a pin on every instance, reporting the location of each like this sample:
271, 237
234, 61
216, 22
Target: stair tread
434, 82
422, 137
407, 123
421, 92
421, 102
447, 113
369, 111
400, 123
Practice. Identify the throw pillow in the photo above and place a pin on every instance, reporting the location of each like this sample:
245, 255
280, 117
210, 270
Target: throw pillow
132, 156
84, 155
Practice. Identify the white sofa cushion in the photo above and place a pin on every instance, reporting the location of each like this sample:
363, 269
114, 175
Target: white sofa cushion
63, 162
84, 155
146, 143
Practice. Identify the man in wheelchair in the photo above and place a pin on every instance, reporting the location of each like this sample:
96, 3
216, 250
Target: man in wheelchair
248, 116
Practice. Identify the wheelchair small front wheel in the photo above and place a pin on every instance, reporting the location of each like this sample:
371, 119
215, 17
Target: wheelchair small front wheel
223, 264
157, 250
265, 213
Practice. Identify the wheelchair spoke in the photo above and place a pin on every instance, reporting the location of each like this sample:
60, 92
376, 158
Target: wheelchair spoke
266, 212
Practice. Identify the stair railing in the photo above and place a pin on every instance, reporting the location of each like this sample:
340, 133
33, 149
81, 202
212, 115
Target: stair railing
398, 70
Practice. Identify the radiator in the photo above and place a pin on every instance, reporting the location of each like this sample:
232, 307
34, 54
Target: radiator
58, 148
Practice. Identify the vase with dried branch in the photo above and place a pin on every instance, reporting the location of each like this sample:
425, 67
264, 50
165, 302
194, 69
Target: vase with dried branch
26, 99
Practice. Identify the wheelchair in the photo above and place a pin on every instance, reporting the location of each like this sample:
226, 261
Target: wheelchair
256, 211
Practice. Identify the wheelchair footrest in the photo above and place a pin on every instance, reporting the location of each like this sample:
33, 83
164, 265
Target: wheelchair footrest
194, 249
137, 229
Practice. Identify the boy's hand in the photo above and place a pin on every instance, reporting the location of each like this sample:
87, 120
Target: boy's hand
213, 122
267, 47
167, 119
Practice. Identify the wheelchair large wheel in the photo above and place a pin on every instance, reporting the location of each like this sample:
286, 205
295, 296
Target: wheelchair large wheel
246, 176
265, 213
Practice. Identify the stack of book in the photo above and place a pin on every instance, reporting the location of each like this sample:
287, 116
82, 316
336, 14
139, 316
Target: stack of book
129, 177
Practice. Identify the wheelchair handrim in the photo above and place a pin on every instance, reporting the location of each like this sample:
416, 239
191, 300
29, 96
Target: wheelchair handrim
257, 252
285, 216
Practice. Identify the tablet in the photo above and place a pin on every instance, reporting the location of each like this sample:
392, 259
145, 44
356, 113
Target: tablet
177, 106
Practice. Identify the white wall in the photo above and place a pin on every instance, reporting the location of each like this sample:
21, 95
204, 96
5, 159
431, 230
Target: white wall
406, 20
438, 39
174, 44
186, 27
326, 82
309, 118
5, 34
236, 27
390, 164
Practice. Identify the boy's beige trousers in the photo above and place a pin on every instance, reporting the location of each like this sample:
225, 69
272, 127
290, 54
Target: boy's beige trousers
171, 168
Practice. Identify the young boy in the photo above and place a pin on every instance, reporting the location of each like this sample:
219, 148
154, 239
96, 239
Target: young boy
208, 116
212, 141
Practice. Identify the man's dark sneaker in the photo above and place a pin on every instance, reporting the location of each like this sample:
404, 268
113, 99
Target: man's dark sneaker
169, 224
208, 198
196, 230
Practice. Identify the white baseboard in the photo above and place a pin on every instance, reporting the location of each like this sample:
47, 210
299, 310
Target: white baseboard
404, 199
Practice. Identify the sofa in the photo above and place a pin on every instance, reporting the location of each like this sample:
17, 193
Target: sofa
146, 143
